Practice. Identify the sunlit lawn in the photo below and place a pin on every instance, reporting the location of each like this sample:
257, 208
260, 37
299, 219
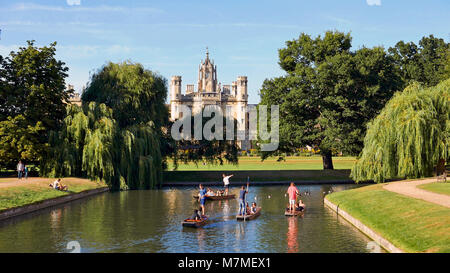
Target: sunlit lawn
30, 192
410, 224
442, 188
247, 163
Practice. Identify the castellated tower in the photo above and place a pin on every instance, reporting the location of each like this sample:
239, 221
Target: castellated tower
241, 93
175, 96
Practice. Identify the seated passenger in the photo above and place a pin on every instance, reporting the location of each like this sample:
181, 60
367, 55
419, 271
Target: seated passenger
196, 215
253, 208
300, 205
210, 192
247, 208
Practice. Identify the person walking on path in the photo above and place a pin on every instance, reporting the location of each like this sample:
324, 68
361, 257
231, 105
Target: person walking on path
20, 169
25, 171
226, 182
293, 192
242, 204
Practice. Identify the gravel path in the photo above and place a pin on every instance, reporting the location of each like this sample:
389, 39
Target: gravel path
409, 188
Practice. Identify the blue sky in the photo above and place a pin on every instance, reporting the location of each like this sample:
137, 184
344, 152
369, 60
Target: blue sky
170, 37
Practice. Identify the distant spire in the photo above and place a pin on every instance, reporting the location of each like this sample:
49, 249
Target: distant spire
207, 53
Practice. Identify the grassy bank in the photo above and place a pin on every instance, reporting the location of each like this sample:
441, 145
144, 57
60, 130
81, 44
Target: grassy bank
442, 188
247, 163
410, 224
257, 175
16, 194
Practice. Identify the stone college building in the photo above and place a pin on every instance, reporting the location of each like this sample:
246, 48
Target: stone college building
231, 99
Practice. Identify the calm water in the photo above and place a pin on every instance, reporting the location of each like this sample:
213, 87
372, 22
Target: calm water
150, 221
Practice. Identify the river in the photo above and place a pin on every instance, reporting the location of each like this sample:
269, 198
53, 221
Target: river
150, 221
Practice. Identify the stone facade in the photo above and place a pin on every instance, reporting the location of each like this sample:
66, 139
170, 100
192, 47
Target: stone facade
231, 99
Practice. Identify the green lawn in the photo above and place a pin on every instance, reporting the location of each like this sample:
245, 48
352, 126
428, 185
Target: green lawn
28, 193
442, 188
410, 224
247, 163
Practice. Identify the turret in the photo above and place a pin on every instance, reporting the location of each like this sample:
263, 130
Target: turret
241, 83
175, 88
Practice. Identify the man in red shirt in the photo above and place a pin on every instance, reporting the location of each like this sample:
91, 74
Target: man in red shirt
292, 191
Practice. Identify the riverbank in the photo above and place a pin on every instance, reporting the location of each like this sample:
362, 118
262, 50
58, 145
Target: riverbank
254, 163
275, 177
410, 224
16, 193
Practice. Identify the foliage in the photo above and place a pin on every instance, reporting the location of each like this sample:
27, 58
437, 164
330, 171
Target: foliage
32, 102
20, 140
408, 137
329, 93
210, 152
115, 135
425, 63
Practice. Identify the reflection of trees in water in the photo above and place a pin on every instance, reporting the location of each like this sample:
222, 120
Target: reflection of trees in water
292, 235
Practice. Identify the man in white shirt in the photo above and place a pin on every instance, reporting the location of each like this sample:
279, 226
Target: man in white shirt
226, 182
20, 169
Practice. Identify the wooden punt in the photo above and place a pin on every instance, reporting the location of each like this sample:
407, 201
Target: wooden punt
194, 223
213, 198
249, 217
287, 212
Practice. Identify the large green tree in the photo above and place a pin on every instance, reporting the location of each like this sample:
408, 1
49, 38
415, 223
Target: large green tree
32, 99
116, 134
214, 151
329, 93
425, 63
409, 137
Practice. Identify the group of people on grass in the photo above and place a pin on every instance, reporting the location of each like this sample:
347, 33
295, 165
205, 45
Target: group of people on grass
22, 170
57, 185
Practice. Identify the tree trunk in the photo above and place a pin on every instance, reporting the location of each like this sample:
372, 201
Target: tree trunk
327, 161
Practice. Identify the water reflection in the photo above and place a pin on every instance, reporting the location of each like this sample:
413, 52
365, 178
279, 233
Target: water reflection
150, 221
292, 235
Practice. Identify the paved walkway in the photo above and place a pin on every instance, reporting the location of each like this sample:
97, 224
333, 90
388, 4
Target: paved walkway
409, 188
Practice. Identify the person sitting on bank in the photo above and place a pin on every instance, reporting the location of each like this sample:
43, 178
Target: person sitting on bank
253, 208
196, 215
57, 185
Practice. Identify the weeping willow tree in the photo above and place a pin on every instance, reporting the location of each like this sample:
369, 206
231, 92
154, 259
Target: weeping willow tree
409, 137
115, 136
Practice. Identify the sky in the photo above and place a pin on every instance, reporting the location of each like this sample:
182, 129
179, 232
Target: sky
243, 37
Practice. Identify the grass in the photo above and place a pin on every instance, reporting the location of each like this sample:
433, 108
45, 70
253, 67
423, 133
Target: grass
247, 163
36, 189
442, 188
410, 224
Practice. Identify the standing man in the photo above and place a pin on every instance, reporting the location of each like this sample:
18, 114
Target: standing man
202, 198
20, 169
242, 196
292, 191
226, 182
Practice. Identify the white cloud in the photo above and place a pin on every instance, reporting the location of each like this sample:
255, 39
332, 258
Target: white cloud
373, 2
73, 2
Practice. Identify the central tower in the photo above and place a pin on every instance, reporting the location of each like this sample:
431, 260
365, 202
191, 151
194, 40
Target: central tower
207, 75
